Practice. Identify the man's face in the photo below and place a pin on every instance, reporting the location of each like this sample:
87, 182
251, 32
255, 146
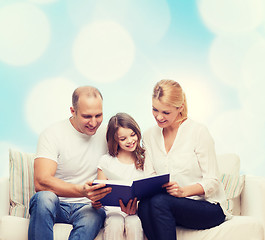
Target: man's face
88, 116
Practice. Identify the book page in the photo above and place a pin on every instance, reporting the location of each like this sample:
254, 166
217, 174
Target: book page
114, 182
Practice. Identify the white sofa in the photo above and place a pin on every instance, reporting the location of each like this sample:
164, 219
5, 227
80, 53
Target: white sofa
246, 198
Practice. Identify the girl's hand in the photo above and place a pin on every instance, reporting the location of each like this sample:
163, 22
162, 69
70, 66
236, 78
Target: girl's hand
131, 207
174, 189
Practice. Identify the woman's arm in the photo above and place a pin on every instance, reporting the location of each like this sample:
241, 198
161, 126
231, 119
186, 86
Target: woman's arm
205, 152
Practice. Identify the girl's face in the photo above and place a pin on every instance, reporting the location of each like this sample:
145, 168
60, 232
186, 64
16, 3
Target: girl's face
127, 139
165, 115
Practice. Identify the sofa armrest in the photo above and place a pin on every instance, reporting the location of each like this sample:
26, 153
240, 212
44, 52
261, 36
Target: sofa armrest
253, 197
4, 196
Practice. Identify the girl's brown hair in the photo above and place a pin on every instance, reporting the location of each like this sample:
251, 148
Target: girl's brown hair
126, 121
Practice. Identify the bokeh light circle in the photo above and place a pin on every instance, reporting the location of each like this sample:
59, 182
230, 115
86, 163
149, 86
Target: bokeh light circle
103, 51
49, 101
24, 33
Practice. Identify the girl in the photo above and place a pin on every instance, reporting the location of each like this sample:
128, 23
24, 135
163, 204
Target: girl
125, 161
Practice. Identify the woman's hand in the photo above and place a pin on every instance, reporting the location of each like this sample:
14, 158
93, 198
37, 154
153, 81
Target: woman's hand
174, 189
131, 207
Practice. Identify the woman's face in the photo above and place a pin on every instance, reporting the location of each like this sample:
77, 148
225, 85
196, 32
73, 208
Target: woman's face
165, 115
127, 139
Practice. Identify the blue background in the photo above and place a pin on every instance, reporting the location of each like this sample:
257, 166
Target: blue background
214, 48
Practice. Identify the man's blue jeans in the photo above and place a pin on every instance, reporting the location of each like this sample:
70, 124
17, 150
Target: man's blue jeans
46, 210
162, 213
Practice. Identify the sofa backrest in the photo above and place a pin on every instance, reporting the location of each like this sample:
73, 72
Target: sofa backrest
228, 163
21, 183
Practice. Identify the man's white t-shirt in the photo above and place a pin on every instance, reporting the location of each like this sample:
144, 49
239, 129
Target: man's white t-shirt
75, 153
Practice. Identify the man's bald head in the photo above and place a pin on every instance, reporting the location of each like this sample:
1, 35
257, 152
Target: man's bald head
87, 91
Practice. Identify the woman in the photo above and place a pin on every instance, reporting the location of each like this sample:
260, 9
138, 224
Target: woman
185, 149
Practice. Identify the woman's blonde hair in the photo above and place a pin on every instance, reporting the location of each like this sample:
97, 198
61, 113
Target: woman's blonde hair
169, 92
124, 120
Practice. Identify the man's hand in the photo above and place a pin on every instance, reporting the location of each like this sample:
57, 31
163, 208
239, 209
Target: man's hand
131, 207
95, 192
96, 205
174, 189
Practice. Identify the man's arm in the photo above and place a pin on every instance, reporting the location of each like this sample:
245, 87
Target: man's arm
44, 180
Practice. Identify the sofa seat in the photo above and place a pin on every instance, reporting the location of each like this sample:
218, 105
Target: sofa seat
245, 198
239, 227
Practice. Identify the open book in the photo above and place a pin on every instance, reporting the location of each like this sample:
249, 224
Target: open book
126, 190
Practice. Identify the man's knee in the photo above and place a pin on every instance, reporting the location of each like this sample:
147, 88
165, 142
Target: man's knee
88, 216
45, 200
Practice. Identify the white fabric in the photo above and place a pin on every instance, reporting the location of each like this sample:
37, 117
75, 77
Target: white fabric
118, 224
228, 163
191, 159
9, 223
4, 196
241, 228
76, 154
121, 171
238, 228
253, 198
127, 227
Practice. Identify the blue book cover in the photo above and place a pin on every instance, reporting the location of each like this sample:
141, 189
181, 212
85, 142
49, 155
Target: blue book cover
126, 190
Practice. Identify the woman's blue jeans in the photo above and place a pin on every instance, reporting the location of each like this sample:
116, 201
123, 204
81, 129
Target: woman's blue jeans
162, 213
46, 210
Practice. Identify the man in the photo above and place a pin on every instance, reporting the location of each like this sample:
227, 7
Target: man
64, 168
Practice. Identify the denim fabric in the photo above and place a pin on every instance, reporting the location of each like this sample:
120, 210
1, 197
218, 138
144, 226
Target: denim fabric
46, 210
162, 213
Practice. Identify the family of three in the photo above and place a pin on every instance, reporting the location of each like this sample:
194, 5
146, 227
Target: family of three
74, 152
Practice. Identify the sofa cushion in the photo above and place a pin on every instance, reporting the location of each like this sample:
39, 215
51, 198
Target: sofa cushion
229, 167
9, 223
21, 182
239, 227
243, 228
233, 185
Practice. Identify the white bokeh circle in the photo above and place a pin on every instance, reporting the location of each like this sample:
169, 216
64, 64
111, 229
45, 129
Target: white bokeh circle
253, 75
201, 100
236, 132
147, 21
103, 51
231, 16
43, 1
24, 33
49, 101
227, 54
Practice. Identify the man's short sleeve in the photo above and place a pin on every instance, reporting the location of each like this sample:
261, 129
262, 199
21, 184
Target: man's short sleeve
47, 146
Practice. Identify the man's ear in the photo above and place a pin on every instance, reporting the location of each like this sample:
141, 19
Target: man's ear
72, 110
